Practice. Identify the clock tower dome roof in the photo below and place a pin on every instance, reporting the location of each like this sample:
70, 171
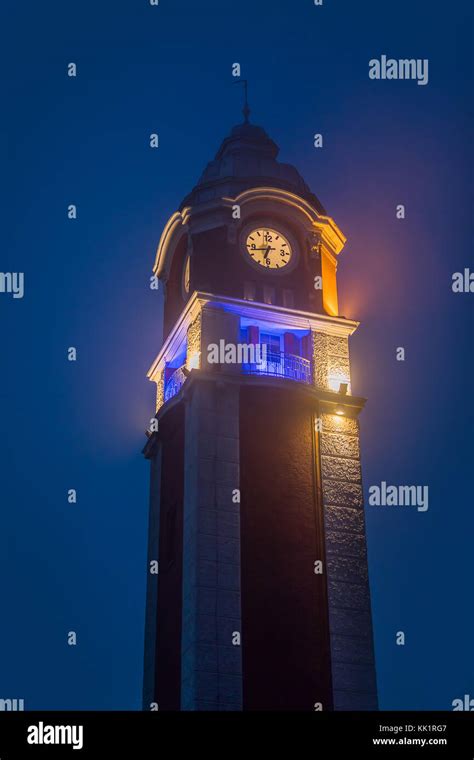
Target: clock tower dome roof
247, 158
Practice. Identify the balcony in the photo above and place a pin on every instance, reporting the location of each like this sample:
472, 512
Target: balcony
280, 364
292, 338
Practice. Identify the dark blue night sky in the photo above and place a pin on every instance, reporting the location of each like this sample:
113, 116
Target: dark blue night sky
167, 69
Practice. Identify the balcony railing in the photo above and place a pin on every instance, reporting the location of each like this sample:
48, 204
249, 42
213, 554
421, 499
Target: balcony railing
174, 383
276, 364
280, 364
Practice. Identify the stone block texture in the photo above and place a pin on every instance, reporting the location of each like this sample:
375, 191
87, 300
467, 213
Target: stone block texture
160, 390
330, 360
350, 624
193, 343
211, 677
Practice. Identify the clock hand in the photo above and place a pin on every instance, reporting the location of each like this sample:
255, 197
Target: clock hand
269, 248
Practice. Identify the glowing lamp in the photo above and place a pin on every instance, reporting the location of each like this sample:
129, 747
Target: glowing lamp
337, 381
193, 361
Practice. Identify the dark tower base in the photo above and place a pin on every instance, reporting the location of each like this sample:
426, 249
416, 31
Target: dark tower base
285, 656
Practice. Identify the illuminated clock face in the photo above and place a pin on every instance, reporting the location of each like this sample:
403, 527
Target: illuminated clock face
268, 248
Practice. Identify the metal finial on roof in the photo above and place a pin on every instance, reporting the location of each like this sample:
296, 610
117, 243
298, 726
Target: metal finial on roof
245, 109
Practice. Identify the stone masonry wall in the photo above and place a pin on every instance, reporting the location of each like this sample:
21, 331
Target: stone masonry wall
330, 361
350, 623
193, 343
211, 664
160, 390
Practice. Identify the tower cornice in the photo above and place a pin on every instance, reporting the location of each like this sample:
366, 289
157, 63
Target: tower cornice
217, 212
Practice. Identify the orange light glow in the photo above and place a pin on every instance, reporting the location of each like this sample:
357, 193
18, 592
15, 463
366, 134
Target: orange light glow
328, 272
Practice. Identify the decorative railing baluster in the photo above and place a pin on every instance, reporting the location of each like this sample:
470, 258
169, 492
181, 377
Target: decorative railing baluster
280, 364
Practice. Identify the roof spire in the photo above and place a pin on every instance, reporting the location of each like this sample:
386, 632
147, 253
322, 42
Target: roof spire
245, 109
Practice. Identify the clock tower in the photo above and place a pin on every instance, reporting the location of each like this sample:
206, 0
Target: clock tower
258, 594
